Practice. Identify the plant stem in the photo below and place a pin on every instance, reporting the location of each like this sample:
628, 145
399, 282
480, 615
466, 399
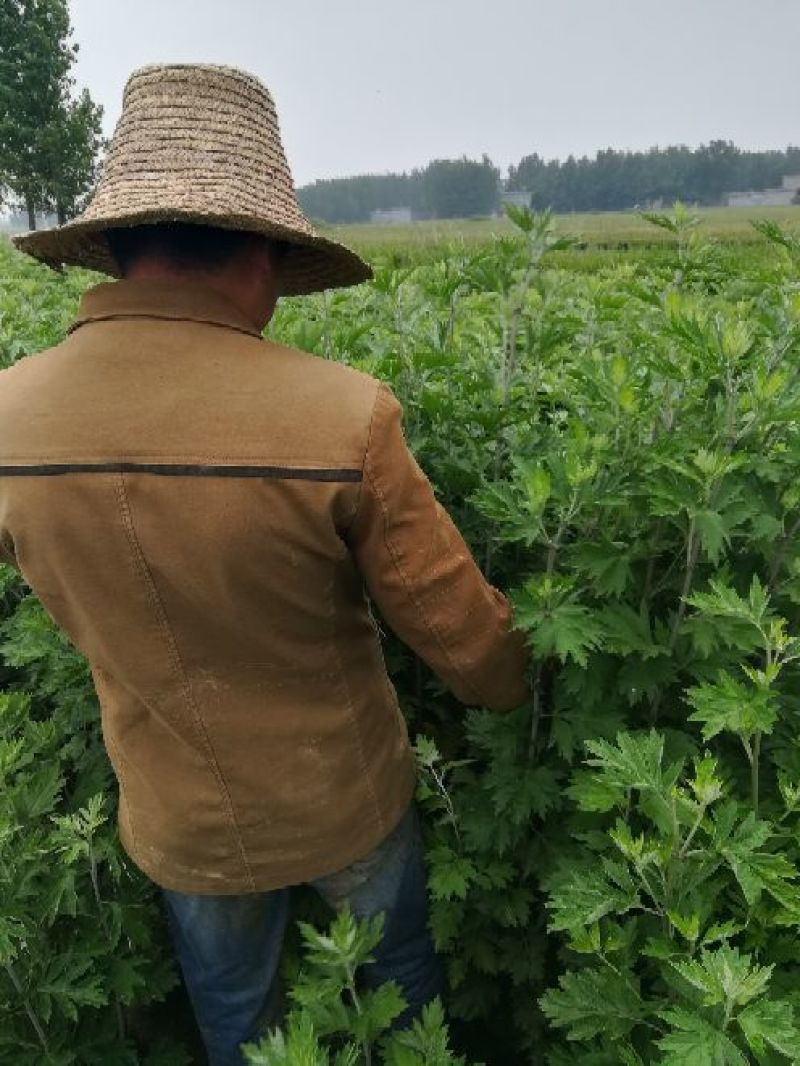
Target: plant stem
96, 890
780, 555
692, 554
754, 770
351, 985
647, 592
514, 310
27, 1005
536, 712
442, 790
690, 835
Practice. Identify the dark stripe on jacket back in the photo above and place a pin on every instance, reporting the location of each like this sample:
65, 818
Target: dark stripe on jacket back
181, 470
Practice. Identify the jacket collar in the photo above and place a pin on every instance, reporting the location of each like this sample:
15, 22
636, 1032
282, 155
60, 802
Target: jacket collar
184, 301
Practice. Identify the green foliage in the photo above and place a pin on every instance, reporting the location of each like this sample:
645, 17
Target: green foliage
336, 1022
614, 867
79, 937
646, 905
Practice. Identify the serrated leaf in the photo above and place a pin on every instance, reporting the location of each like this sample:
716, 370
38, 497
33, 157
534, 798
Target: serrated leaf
593, 793
607, 564
757, 871
585, 896
634, 762
713, 534
696, 1041
568, 631
593, 1002
769, 1023
627, 631
724, 976
733, 706
450, 874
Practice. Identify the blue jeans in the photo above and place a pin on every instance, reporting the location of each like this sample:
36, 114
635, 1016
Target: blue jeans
229, 946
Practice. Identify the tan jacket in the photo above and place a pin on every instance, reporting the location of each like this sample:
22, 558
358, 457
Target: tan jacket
200, 510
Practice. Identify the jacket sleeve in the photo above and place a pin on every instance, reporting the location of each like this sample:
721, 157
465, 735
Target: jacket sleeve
422, 577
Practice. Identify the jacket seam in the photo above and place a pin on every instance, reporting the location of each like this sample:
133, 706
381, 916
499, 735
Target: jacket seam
429, 624
123, 794
350, 711
178, 666
370, 428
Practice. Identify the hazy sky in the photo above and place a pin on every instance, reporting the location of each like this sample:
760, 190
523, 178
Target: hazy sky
378, 85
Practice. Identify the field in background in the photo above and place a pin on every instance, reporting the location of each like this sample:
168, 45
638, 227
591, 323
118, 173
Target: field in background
616, 431
595, 232
600, 230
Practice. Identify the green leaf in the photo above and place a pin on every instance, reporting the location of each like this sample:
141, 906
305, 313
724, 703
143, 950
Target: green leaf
379, 1008
555, 623
725, 602
450, 874
733, 706
534, 790
592, 1003
770, 1024
537, 487
69, 983
696, 1041
594, 793
723, 976
568, 631
582, 897
713, 534
425, 1043
300, 1046
627, 631
757, 871
607, 563
634, 762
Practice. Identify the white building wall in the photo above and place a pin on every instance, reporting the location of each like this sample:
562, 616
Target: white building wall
764, 198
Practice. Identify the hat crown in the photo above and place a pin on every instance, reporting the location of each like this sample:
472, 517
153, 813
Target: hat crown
199, 143
210, 74
197, 138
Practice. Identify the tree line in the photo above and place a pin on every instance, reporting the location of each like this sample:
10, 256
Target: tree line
610, 181
614, 181
50, 135
445, 188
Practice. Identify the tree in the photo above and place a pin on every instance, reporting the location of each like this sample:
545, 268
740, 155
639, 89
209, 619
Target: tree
71, 152
49, 140
461, 188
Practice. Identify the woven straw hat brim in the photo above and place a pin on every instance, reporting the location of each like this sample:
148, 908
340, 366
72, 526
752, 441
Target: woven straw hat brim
199, 143
311, 263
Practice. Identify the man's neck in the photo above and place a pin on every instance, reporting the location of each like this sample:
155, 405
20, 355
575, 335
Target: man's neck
251, 294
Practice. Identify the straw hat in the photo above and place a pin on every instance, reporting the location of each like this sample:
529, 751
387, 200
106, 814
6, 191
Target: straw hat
199, 143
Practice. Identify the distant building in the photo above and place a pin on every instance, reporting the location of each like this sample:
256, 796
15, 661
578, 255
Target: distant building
787, 194
391, 216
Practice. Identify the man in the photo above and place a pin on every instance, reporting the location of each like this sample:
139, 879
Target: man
200, 510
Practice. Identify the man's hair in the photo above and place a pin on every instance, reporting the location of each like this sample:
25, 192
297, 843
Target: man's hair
184, 245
